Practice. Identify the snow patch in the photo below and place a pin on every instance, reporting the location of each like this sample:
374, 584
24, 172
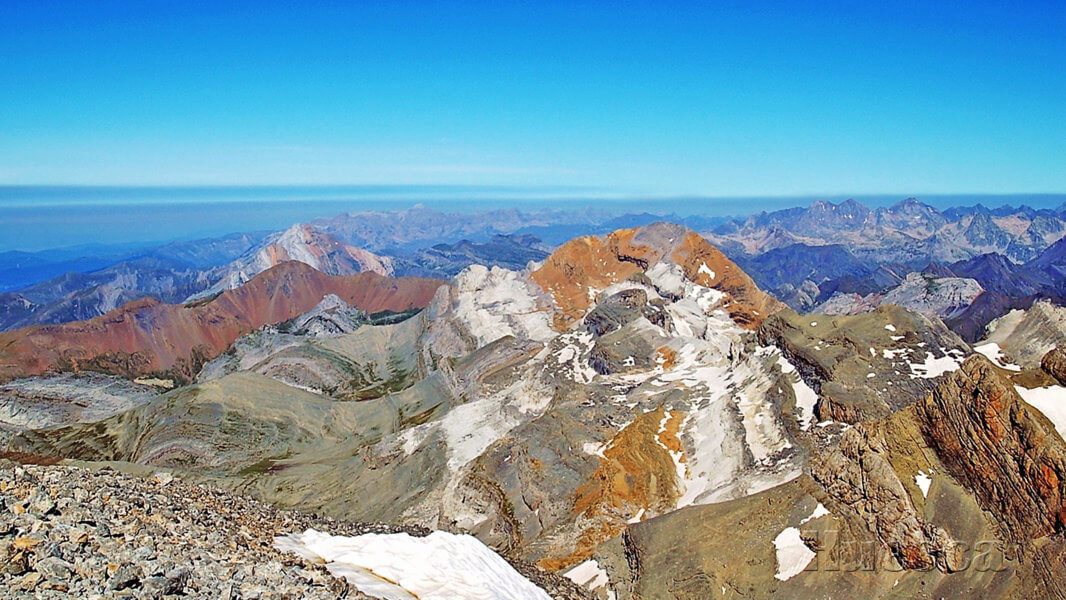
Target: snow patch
593, 449
933, 367
923, 482
588, 575
706, 270
806, 398
677, 457
994, 353
1051, 401
398, 566
793, 555
819, 511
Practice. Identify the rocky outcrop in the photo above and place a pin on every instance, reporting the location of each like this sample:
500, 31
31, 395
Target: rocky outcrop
1054, 364
41, 402
513, 252
148, 337
83, 533
859, 474
931, 296
622, 308
999, 447
1025, 336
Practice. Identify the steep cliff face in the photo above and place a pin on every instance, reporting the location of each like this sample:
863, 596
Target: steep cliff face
860, 475
1054, 364
999, 447
148, 337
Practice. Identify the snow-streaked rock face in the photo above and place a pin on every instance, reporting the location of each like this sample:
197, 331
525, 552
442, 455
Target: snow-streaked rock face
399, 566
303, 243
468, 429
940, 297
806, 398
493, 303
671, 387
1025, 336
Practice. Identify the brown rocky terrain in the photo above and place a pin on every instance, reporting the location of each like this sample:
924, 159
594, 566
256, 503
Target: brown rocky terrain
148, 337
864, 366
860, 475
999, 447
1054, 364
637, 410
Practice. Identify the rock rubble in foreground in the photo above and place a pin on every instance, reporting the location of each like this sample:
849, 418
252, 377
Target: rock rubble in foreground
73, 532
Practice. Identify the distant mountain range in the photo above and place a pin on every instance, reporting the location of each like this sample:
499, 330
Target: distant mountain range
849, 257
838, 257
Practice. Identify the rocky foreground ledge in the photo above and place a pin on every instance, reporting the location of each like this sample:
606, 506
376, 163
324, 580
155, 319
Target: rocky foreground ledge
73, 532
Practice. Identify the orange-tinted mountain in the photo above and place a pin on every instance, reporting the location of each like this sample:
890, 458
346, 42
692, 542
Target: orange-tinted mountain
597, 262
148, 337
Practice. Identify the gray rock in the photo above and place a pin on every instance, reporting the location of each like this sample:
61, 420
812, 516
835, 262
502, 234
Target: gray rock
54, 569
123, 578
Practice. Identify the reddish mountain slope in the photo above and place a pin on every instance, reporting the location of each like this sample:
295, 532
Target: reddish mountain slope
147, 336
597, 262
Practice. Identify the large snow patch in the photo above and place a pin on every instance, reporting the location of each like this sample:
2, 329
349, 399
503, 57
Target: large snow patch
398, 566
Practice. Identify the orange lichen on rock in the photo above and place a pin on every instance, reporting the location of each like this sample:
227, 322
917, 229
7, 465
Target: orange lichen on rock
667, 357
578, 266
669, 435
706, 265
635, 474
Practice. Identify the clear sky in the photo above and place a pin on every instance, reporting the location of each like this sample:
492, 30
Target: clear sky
710, 98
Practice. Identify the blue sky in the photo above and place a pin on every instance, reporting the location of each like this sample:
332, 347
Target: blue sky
719, 99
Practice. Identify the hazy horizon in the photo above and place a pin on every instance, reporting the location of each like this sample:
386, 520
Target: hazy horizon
35, 218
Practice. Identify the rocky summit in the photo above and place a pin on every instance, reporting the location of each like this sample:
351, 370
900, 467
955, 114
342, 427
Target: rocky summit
97, 533
629, 416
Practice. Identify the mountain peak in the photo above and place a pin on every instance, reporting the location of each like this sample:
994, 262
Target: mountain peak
578, 268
